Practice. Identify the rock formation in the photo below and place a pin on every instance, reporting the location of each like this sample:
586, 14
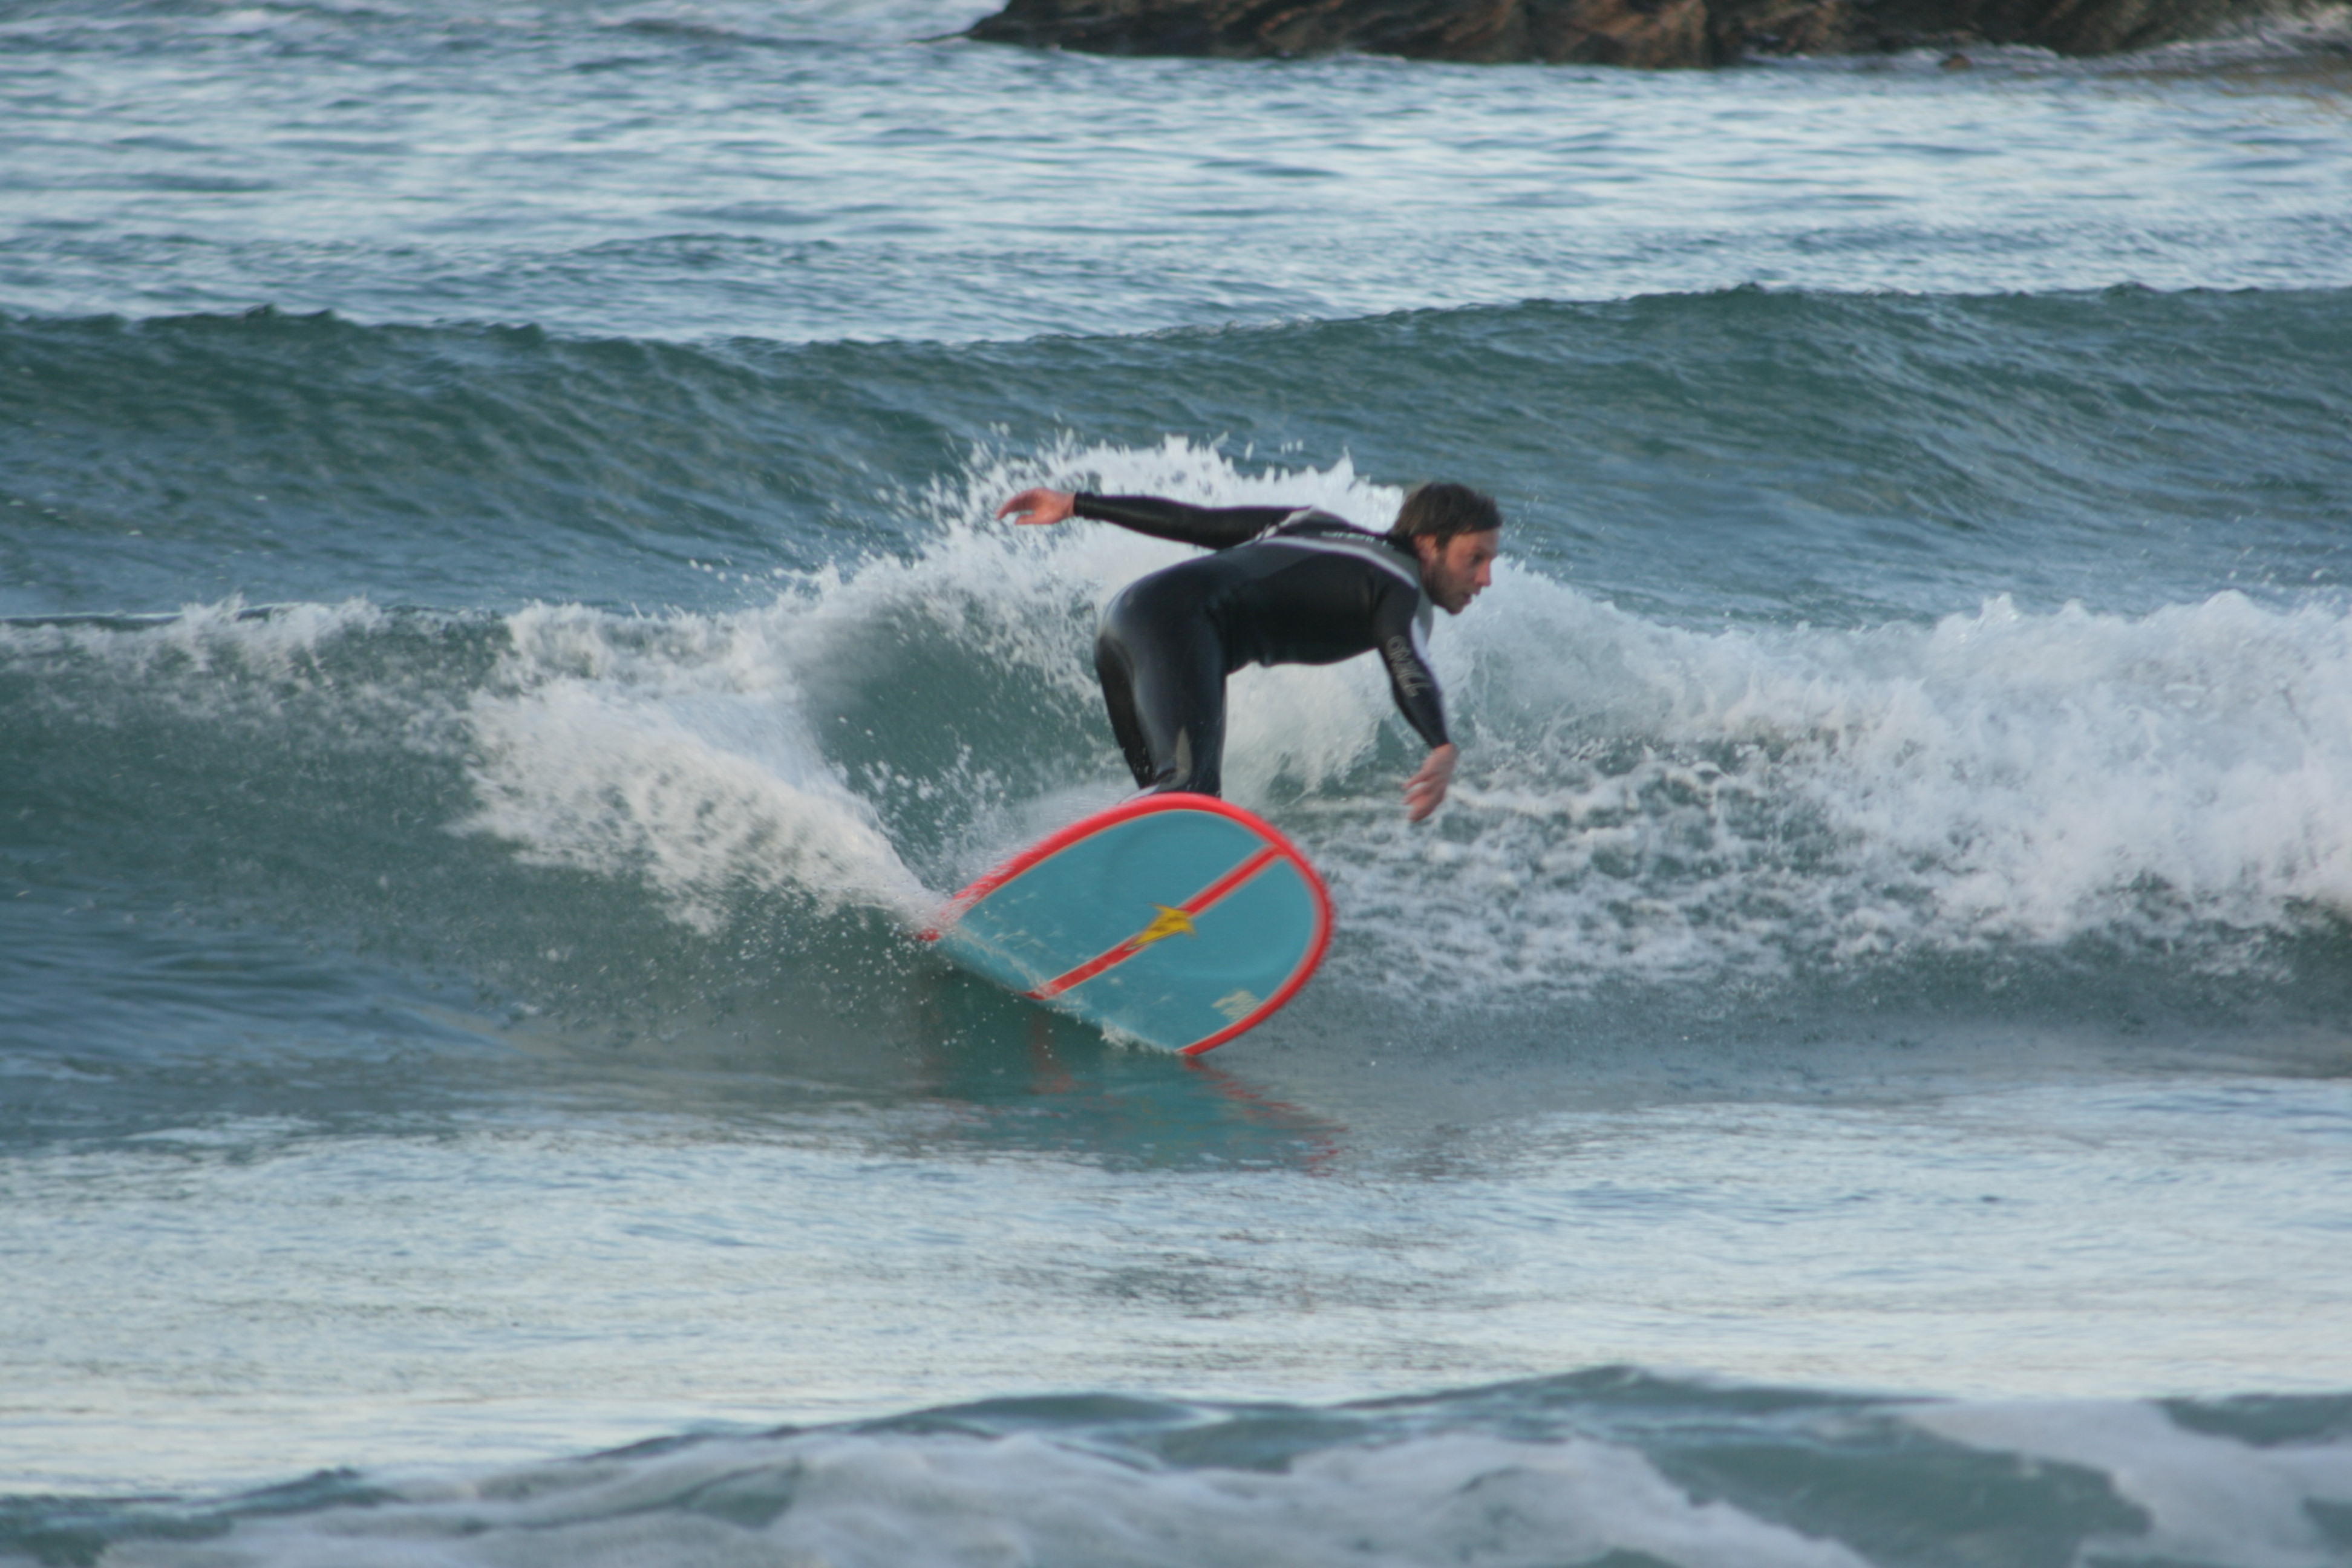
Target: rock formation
1651, 33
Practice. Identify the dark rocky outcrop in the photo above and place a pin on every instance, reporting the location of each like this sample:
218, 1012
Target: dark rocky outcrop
1649, 33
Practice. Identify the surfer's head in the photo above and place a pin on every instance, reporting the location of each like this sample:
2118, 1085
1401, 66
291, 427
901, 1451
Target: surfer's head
1456, 533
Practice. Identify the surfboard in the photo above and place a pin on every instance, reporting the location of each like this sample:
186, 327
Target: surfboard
1178, 920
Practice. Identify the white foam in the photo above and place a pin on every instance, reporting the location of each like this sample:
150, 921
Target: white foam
231, 667
2207, 1499
279, 641
1637, 798
671, 748
665, 748
894, 1501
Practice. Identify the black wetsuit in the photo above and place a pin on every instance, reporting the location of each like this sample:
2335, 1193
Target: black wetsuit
1285, 587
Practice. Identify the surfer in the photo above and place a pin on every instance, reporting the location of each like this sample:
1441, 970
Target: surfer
1285, 585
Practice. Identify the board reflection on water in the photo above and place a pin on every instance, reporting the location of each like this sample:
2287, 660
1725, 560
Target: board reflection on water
998, 1073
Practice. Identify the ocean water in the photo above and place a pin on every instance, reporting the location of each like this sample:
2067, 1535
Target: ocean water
502, 636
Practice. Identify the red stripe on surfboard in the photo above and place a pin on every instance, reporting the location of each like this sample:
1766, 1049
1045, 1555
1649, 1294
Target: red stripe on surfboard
1194, 905
1055, 843
1299, 976
1143, 806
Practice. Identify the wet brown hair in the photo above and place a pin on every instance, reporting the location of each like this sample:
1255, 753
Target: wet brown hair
1439, 511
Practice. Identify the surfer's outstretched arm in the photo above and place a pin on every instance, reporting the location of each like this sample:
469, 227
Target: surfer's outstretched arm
1216, 527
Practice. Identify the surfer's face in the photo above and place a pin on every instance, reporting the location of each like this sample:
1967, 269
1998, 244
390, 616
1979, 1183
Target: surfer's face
1458, 570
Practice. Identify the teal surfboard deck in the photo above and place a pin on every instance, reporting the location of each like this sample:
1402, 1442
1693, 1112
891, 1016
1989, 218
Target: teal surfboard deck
1177, 920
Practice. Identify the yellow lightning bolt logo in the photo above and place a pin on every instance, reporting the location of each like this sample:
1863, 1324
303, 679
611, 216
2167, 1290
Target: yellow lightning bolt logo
1168, 922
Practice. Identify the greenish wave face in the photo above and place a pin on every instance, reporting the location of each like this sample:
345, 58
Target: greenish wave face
1773, 455
1849, 661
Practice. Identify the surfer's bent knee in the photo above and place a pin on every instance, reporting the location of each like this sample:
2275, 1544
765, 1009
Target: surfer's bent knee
1145, 655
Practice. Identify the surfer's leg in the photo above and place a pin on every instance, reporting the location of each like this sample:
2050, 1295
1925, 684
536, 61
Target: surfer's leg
1116, 673
1163, 679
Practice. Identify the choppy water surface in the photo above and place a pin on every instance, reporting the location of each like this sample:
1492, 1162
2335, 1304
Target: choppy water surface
810, 174
503, 633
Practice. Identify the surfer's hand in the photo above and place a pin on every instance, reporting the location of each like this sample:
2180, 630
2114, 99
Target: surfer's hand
1038, 506
1425, 791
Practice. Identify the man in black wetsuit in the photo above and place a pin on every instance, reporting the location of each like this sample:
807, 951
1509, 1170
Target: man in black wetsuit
1287, 586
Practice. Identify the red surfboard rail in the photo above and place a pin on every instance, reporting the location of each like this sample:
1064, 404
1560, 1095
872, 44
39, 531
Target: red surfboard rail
1278, 848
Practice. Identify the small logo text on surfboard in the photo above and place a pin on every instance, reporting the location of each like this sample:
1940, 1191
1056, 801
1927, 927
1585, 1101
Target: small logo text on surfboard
1235, 1005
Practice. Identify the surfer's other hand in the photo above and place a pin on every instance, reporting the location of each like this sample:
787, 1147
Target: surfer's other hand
1039, 505
1425, 791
